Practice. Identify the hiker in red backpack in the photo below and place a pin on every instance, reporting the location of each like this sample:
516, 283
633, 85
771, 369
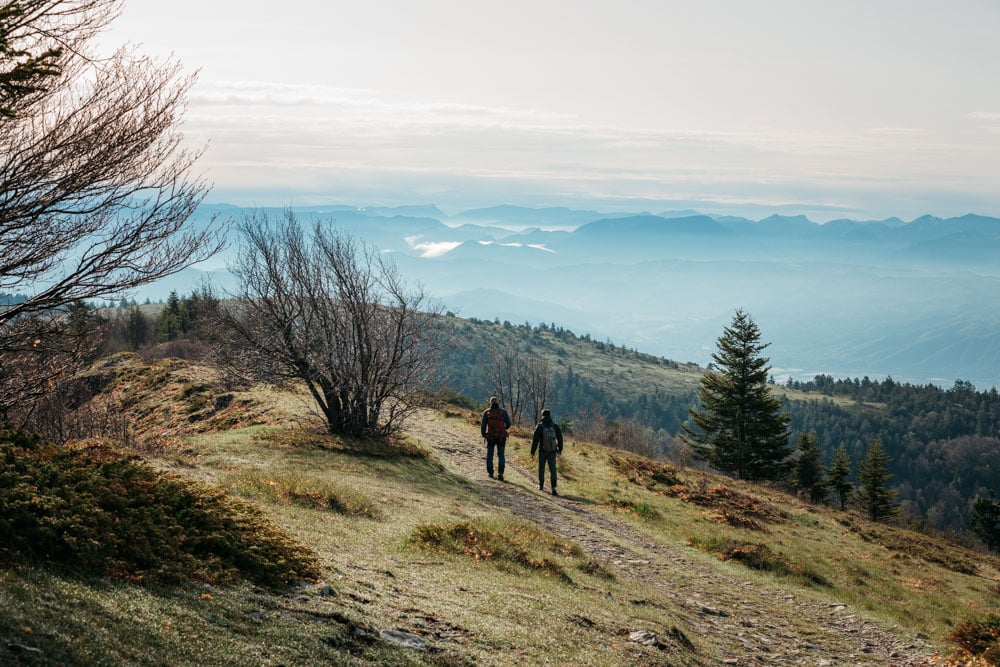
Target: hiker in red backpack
494, 427
548, 441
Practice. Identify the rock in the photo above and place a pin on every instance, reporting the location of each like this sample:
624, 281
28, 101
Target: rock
709, 611
645, 638
404, 639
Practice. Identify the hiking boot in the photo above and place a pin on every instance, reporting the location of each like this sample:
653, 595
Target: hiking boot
490, 474
541, 487
554, 492
500, 477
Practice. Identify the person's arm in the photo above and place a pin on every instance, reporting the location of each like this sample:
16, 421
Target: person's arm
534, 440
506, 418
482, 425
559, 440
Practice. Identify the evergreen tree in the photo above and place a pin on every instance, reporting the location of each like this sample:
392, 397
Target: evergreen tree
740, 428
984, 521
807, 470
838, 475
137, 329
168, 323
873, 480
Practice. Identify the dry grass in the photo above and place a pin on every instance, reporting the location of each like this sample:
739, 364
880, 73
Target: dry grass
407, 542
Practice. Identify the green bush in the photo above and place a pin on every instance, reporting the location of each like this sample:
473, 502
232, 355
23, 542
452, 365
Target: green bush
94, 511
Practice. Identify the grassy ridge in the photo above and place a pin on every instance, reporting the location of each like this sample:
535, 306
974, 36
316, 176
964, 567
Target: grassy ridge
405, 541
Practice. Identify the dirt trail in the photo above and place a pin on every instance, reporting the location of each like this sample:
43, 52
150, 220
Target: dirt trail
725, 612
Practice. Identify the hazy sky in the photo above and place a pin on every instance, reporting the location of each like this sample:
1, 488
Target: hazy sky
853, 108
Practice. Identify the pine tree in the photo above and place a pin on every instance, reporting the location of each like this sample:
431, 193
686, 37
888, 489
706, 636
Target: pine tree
807, 471
873, 480
838, 475
740, 428
984, 520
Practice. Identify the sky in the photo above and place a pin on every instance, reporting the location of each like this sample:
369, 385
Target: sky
864, 109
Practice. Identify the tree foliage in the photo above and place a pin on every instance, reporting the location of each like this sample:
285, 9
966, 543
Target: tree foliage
324, 310
874, 495
807, 469
838, 476
740, 427
984, 520
95, 186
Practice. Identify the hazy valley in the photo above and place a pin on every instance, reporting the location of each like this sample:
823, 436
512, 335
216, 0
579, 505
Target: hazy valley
911, 300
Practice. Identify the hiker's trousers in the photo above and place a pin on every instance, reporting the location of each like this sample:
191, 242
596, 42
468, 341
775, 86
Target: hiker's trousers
499, 446
543, 459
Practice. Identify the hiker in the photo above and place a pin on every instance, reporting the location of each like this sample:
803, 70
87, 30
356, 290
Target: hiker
494, 427
548, 440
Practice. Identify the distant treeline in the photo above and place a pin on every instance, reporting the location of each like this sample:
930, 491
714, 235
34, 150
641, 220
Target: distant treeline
943, 443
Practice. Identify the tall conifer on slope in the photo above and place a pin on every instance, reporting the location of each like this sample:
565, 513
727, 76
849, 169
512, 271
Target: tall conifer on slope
838, 475
807, 471
740, 428
873, 484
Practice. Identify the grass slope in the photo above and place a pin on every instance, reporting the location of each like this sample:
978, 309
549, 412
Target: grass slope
412, 538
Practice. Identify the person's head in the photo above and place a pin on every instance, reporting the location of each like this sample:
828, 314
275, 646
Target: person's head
546, 414
494, 402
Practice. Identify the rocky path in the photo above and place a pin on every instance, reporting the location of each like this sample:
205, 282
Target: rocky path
724, 611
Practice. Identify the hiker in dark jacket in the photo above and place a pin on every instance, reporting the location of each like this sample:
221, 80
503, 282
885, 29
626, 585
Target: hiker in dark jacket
548, 441
494, 427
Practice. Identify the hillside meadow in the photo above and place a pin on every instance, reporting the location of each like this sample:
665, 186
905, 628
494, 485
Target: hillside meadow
419, 559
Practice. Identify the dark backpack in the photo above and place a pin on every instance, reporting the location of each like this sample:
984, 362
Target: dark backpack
550, 442
496, 428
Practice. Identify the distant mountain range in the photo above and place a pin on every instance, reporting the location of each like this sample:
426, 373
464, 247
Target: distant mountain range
915, 300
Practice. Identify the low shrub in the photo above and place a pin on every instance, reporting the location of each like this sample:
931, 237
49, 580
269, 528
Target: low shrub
303, 491
758, 556
90, 509
644, 471
507, 543
979, 639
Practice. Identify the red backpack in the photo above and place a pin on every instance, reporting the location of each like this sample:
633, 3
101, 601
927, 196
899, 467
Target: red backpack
496, 428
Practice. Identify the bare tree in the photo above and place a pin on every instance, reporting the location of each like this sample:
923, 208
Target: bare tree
537, 379
506, 371
95, 187
335, 314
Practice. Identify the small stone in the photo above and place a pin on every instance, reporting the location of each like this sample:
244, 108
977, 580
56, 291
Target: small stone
404, 639
644, 637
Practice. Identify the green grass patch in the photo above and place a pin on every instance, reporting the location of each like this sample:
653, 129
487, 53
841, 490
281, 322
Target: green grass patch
506, 543
757, 556
640, 509
391, 449
302, 490
924, 547
94, 510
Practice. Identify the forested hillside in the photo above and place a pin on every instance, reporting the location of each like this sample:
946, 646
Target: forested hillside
943, 442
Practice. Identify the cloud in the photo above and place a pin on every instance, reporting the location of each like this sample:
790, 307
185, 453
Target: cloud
898, 131
985, 115
323, 139
432, 248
